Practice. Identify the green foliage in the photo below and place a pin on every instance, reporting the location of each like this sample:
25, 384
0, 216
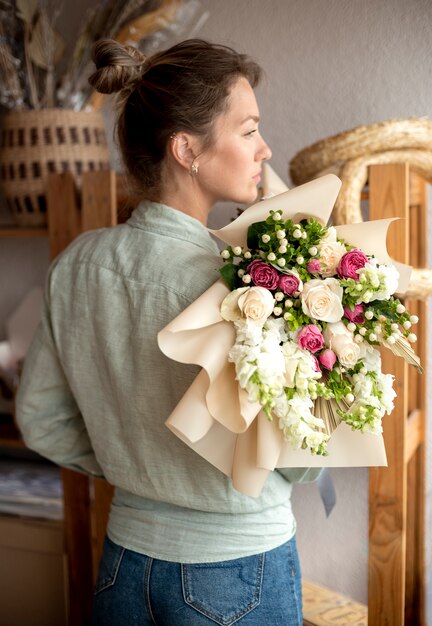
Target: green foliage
229, 274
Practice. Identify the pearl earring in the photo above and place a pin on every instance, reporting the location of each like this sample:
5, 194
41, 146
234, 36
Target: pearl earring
193, 171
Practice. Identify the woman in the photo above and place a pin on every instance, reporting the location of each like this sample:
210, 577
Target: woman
182, 547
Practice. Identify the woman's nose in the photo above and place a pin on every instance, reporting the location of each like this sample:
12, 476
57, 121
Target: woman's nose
264, 152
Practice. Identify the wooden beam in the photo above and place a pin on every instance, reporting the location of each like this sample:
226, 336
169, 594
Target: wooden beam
64, 224
77, 526
64, 215
99, 201
414, 433
388, 191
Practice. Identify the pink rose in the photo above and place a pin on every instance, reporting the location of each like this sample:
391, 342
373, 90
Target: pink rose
316, 363
351, 263
263, 274
289, 284
310, 338
314, 266
327, 359
354, 315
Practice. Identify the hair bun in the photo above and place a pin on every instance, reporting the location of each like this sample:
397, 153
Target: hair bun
117, 65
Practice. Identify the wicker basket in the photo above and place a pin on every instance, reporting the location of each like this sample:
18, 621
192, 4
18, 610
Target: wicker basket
35, 143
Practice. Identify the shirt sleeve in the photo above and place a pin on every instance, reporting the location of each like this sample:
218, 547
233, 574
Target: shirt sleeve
46, 411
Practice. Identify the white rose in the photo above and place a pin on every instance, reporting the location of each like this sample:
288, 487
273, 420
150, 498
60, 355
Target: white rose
229, 308
322, 299
330, 253
256, 304
339, 339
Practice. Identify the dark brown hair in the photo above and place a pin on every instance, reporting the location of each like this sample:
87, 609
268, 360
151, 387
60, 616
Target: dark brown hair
179, 89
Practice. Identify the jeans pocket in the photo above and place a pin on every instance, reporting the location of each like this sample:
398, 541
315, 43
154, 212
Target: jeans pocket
224, 591
109, 565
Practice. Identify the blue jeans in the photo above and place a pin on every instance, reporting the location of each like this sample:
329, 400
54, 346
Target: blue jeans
260, 590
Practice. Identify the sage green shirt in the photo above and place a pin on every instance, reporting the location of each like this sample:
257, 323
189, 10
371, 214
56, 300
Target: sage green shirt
96, 391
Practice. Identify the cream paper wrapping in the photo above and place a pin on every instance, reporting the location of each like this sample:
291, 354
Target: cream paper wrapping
215, 417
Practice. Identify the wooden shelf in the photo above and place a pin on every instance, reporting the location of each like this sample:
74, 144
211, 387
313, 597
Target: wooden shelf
16, 231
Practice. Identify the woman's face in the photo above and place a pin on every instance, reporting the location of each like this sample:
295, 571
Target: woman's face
231, 168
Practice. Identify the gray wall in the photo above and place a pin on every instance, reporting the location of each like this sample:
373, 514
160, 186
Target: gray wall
331, 65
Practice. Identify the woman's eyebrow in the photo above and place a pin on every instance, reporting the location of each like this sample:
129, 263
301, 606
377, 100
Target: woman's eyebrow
255, 118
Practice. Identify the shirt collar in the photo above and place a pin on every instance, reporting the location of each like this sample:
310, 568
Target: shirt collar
159, 218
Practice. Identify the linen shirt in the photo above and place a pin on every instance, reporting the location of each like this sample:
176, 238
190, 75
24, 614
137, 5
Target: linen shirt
96, 390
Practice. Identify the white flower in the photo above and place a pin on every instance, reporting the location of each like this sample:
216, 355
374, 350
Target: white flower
271, 368
248, 332
265, 238
363, 387
388, 394
229, 308
244, 369
276, 327
322, 299
314, 439
299, 366
330, 253
256, 304
370, 357
331, 235
237, 250
384, 280
339, 339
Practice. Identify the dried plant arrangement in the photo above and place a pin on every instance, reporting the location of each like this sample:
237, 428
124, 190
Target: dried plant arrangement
32, 51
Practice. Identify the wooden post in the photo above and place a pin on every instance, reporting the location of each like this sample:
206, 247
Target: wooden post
396, 493
64, 224
415, 602
388, 197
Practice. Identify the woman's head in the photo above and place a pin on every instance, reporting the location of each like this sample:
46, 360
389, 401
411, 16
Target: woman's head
184, 89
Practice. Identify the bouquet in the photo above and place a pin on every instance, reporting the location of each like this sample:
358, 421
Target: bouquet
309, 311
288, 341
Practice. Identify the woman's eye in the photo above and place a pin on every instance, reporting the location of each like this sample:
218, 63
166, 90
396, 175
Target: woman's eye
251, 132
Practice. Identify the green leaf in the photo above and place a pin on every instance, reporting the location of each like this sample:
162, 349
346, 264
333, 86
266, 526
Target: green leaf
255, 232
229, 274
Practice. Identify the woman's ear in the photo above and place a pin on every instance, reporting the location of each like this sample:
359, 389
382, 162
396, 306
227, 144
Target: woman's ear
183, 148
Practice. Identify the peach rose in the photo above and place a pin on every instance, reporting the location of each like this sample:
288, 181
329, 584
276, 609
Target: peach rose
322, 299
